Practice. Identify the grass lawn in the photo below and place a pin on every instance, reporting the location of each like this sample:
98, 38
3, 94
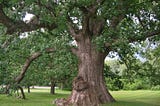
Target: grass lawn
136, 98
41, 97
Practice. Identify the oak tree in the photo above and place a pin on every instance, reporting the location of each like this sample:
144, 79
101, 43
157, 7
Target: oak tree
97, 26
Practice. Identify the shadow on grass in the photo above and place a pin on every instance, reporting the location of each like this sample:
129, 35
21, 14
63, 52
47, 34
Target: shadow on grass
33, 99
127, 103
42, 96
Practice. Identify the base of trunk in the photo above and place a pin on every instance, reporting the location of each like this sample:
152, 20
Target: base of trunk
85, 94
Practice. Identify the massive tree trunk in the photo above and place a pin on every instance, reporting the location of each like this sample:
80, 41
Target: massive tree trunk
89, 86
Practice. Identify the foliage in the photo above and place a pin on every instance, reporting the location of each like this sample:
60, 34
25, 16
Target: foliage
138, 84
135, 73
60, 65
113, 79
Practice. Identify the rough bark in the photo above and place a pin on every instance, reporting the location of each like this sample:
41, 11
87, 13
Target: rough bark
89, 86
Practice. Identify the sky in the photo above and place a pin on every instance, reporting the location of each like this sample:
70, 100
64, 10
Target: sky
27, 17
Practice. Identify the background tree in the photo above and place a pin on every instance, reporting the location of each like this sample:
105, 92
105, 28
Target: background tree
113, 75
150, 66
45, 68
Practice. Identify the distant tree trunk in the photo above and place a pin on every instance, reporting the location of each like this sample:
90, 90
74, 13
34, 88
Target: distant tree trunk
52, 90
62, 85
89, 86
28, 87
7, 89
22, 92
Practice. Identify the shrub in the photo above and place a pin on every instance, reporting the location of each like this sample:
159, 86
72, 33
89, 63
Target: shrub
114, 84
157, 87
136, 85
2, 90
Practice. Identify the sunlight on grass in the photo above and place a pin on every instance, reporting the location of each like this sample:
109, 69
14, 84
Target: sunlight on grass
41, 97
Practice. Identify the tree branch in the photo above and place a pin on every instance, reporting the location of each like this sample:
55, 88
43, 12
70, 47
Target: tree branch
6, 42
134, 39
28, 61
121, 15
47, 6
73, 30
146, 35
116, 20
20, 26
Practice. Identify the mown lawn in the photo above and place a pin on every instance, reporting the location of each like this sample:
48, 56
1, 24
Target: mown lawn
41, 97
136, 98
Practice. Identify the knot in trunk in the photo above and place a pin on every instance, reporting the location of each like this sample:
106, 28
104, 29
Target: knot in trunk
60, 102
79, 84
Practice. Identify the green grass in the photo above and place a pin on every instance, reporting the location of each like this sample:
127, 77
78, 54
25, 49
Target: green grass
41, 97
136, 98
37, 97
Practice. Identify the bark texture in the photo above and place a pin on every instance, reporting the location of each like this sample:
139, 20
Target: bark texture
89, 87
